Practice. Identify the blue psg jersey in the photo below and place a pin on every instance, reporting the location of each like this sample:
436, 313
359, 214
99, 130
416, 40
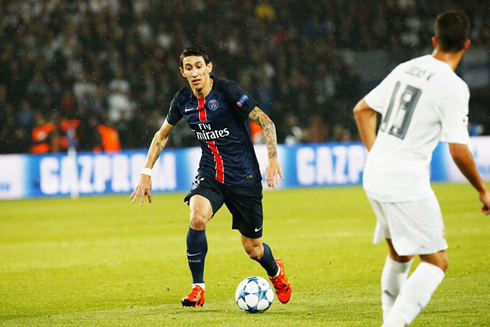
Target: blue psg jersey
220, 123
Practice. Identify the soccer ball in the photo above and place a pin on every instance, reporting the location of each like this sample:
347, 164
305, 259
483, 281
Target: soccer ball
254, 295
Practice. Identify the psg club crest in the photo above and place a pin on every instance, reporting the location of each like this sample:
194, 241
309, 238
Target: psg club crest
213, 105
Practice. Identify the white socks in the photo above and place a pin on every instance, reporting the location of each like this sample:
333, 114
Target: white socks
414, 294
392, 279
203, 285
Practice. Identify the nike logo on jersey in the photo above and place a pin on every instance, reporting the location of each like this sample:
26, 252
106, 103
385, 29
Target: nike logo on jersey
193, 254
257, 229
188, 109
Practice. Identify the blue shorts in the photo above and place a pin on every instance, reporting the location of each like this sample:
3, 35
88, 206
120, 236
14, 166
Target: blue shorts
243, 202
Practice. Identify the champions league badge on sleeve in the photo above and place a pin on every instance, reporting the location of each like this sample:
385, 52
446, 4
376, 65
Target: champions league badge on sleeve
213, 105
242, 100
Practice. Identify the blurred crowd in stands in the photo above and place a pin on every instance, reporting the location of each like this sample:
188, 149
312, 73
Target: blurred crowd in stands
99, 75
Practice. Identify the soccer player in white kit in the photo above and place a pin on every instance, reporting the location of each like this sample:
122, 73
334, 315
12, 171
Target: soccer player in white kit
421, 102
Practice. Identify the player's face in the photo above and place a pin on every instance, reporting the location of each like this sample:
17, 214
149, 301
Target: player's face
196, 71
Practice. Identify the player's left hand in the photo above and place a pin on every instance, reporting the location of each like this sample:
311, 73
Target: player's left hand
273, 172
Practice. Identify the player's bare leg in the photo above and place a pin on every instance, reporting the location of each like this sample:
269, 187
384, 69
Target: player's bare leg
197, 247
201, 212
253, 246
394, 255
261, 252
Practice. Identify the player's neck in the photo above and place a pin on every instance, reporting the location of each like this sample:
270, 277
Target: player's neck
450, 58
208, 86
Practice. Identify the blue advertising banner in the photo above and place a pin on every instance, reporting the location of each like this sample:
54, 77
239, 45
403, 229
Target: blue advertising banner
88, 173
306, 165
330, 164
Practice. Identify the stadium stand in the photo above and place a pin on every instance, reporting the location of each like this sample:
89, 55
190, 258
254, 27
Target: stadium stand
111, 66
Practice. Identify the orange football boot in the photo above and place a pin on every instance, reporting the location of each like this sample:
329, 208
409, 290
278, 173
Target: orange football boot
281, 283
195, 298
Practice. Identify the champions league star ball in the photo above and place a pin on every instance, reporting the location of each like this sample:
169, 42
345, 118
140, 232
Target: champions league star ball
254, 295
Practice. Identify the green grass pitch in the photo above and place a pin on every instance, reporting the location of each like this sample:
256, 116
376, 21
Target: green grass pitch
100, 261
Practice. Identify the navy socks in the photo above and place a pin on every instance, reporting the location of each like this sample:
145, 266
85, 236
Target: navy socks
197, 247
267, 262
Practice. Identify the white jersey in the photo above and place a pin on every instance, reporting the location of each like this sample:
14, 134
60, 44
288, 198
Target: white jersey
422, 102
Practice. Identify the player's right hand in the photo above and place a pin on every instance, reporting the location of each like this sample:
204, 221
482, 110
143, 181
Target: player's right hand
143, 189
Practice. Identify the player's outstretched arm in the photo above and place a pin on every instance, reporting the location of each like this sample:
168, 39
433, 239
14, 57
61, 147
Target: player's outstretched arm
156, 147
273, 170
365, 118
464, 160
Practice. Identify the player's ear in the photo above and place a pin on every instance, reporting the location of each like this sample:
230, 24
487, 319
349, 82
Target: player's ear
182, 71
209, 67
434, 42
467, 44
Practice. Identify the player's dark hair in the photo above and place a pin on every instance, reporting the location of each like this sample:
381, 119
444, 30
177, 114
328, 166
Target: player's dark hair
195, 50
452, 29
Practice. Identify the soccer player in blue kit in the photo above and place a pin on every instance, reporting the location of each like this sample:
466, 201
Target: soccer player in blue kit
217, 111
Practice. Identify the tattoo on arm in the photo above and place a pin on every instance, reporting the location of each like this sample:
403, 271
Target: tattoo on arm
268, 129
160, 147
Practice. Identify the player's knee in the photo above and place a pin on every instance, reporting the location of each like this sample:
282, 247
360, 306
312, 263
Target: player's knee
439, 259
198, 221
401, 258
444, 263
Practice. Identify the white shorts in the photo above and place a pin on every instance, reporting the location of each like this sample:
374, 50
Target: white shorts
414, 227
